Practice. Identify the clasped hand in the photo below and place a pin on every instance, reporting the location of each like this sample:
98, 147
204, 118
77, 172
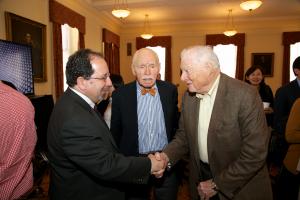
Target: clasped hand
159, 162
206, 189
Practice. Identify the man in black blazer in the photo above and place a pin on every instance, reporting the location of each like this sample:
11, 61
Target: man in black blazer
284, 99
85, 161
144, 120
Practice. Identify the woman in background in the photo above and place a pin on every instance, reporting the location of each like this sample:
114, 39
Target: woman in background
255, 77
104, 106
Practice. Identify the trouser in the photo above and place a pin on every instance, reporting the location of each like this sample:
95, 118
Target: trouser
206, 175
164, 188
287, 185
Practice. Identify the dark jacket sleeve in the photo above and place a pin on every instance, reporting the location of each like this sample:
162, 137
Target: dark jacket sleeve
96, 155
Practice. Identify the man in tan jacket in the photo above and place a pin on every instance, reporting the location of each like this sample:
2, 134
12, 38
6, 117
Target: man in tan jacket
224, 131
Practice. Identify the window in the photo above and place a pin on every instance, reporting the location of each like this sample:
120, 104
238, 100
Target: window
290, 41
227, 57
161, 52
111, 45
70, 37
238, 42
59, 15
294, 53
161, 41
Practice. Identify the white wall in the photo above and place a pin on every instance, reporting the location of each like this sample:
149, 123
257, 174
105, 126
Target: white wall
264, 36
261, 36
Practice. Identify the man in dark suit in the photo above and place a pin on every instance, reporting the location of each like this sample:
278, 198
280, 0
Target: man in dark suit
284, 99
223, 128
144, 120
85, 161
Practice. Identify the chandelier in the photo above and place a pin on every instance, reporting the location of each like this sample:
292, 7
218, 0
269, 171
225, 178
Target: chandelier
229, 27
121, 9
147, 30
250, 4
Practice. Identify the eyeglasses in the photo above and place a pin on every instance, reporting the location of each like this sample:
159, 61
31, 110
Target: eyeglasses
104, 77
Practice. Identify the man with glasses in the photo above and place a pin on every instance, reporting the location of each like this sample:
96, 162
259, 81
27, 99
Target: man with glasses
144, 120
85, 161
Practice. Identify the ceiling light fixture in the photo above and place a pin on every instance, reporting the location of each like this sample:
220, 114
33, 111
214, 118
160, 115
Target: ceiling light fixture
147, 30
121, 9
250, 4
229, 28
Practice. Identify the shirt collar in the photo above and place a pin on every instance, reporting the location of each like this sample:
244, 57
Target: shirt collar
85, 98
209, 93
139, 87
298, 81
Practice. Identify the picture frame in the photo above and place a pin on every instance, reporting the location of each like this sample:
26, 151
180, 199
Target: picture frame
26, 31
266, 61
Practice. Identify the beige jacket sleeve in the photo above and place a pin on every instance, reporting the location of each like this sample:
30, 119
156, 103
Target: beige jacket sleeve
292, 135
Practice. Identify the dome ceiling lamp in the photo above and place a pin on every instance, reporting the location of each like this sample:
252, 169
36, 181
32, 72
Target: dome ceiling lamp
147, 30
121, 9
250, 4
229, 28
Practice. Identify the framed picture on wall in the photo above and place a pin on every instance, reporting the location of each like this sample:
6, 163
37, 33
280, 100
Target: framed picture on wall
26, 31
265, 60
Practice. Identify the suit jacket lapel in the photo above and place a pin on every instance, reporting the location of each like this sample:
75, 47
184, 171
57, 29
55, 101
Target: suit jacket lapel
163, 99
194, 119
215, 123
89, 109
105, 127
132, 106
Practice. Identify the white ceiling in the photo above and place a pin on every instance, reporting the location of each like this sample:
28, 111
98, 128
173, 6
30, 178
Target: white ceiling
181, 11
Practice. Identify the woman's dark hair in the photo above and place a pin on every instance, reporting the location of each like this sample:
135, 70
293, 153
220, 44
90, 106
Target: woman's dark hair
296, 64
251, 70
116, 80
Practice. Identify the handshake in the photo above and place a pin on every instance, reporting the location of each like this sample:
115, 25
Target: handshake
159, 163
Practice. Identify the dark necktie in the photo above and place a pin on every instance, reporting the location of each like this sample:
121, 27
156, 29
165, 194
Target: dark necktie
99, 115
97, 111
150, 91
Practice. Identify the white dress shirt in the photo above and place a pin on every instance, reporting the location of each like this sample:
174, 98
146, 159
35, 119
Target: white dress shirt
206, 105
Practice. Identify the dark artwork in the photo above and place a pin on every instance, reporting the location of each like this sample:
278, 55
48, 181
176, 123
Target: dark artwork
265, 60
28, 32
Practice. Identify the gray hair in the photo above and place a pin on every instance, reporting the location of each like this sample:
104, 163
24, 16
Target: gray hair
138, 53
201, 55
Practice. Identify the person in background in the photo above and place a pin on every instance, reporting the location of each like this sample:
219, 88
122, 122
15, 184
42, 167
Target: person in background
144, 120
85, 161
104, 106
292, 158
223, 128
17, 143
285, 97
255, 76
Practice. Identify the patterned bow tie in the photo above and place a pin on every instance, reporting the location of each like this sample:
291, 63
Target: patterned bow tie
150, 91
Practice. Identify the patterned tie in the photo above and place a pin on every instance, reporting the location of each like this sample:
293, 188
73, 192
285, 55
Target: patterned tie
150, 91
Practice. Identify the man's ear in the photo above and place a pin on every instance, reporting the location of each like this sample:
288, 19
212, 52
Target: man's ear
81, 83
